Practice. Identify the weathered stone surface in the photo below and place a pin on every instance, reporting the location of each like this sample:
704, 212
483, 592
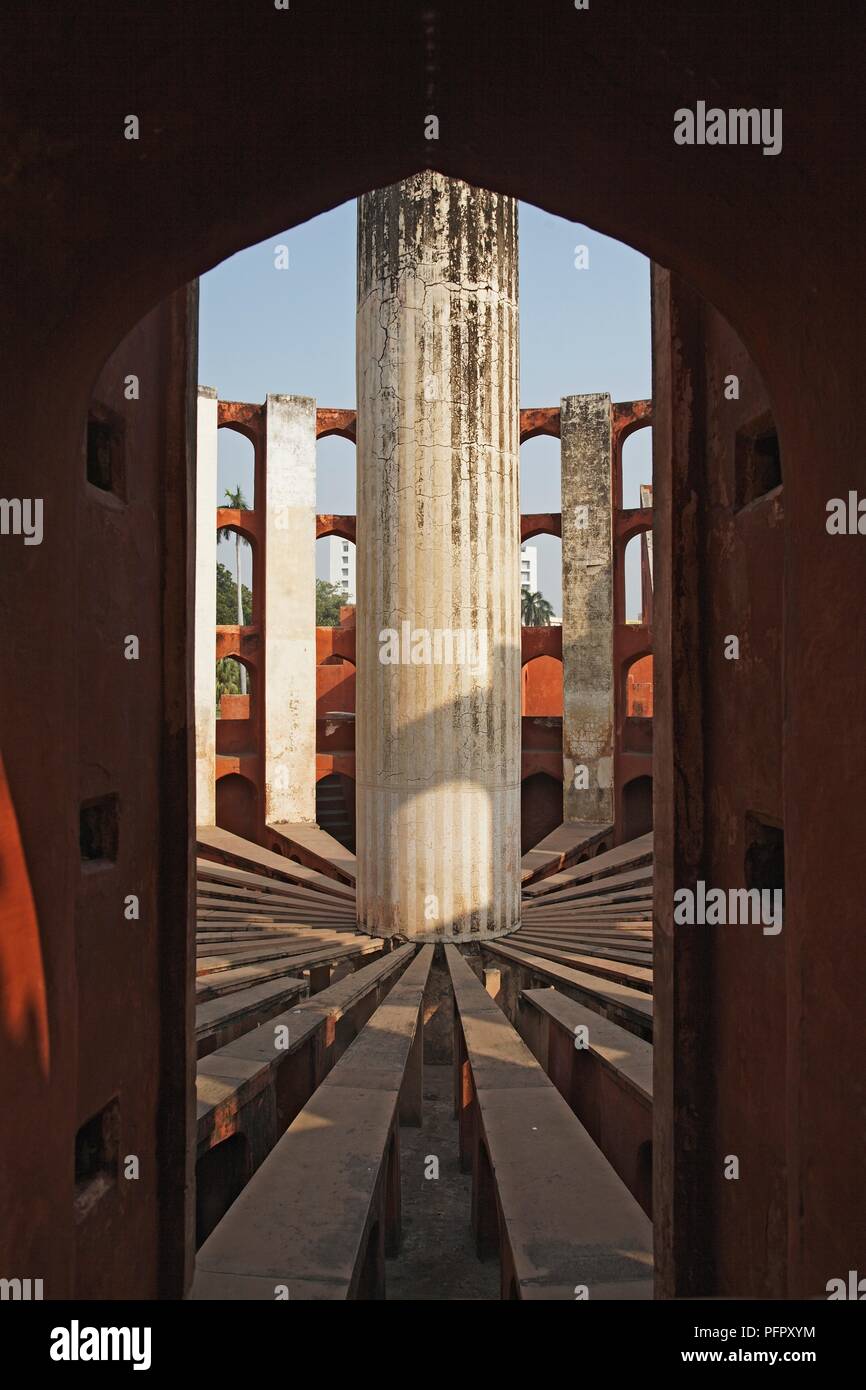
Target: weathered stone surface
290, 603
438, 742
587, 607
561, 1216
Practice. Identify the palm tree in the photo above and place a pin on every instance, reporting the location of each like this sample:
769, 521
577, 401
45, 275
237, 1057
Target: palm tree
238, 503
535, 609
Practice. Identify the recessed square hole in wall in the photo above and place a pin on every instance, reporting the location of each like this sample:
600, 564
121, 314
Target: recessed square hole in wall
105, 450
98, 830
757, 461
765, 854
97, 1157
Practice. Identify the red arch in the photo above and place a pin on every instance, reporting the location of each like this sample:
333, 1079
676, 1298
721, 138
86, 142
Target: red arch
540, 524
539, 420
339, 422
332, 524
244, 418
540, 641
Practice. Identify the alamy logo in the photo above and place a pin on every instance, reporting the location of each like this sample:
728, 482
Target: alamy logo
76, 1343
737, 126
438, 646
714, 907
846, 518
22, 517
20, 1290
854, 1289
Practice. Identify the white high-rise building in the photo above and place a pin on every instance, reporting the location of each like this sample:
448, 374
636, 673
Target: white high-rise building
341, 566
529, 568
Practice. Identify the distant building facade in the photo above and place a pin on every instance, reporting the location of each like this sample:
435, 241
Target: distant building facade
341, 566
529, 568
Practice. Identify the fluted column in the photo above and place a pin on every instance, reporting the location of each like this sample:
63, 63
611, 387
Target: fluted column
438, 592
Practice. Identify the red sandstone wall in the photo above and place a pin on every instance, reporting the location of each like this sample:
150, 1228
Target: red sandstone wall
335, 689
639, 697
236, 728
632, 643
240, 729
234, 708
542, 687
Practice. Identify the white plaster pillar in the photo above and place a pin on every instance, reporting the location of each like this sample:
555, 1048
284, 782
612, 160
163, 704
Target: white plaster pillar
205, 605
438, 722
290, 610
587, 608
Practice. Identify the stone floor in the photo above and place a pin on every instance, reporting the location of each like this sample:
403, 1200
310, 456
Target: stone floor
437, 1259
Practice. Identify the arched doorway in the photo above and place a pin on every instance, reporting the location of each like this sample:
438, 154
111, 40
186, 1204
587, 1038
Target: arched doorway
335, 807
637, 807
236, 805
540, 808
163, 219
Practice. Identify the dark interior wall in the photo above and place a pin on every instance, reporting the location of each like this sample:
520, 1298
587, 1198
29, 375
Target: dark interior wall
730, 745
97, 229
742, 576
110, 1078
125, 577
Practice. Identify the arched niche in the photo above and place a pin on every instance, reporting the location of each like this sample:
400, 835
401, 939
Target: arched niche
540, 808
637, 807
236, 808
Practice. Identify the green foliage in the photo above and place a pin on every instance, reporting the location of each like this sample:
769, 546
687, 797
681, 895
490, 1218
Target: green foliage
227, 599
535, 609
228, 679
329, 599
238, 503
226, 586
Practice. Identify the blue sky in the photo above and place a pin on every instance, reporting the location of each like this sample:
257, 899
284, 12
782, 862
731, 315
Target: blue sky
293, 331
